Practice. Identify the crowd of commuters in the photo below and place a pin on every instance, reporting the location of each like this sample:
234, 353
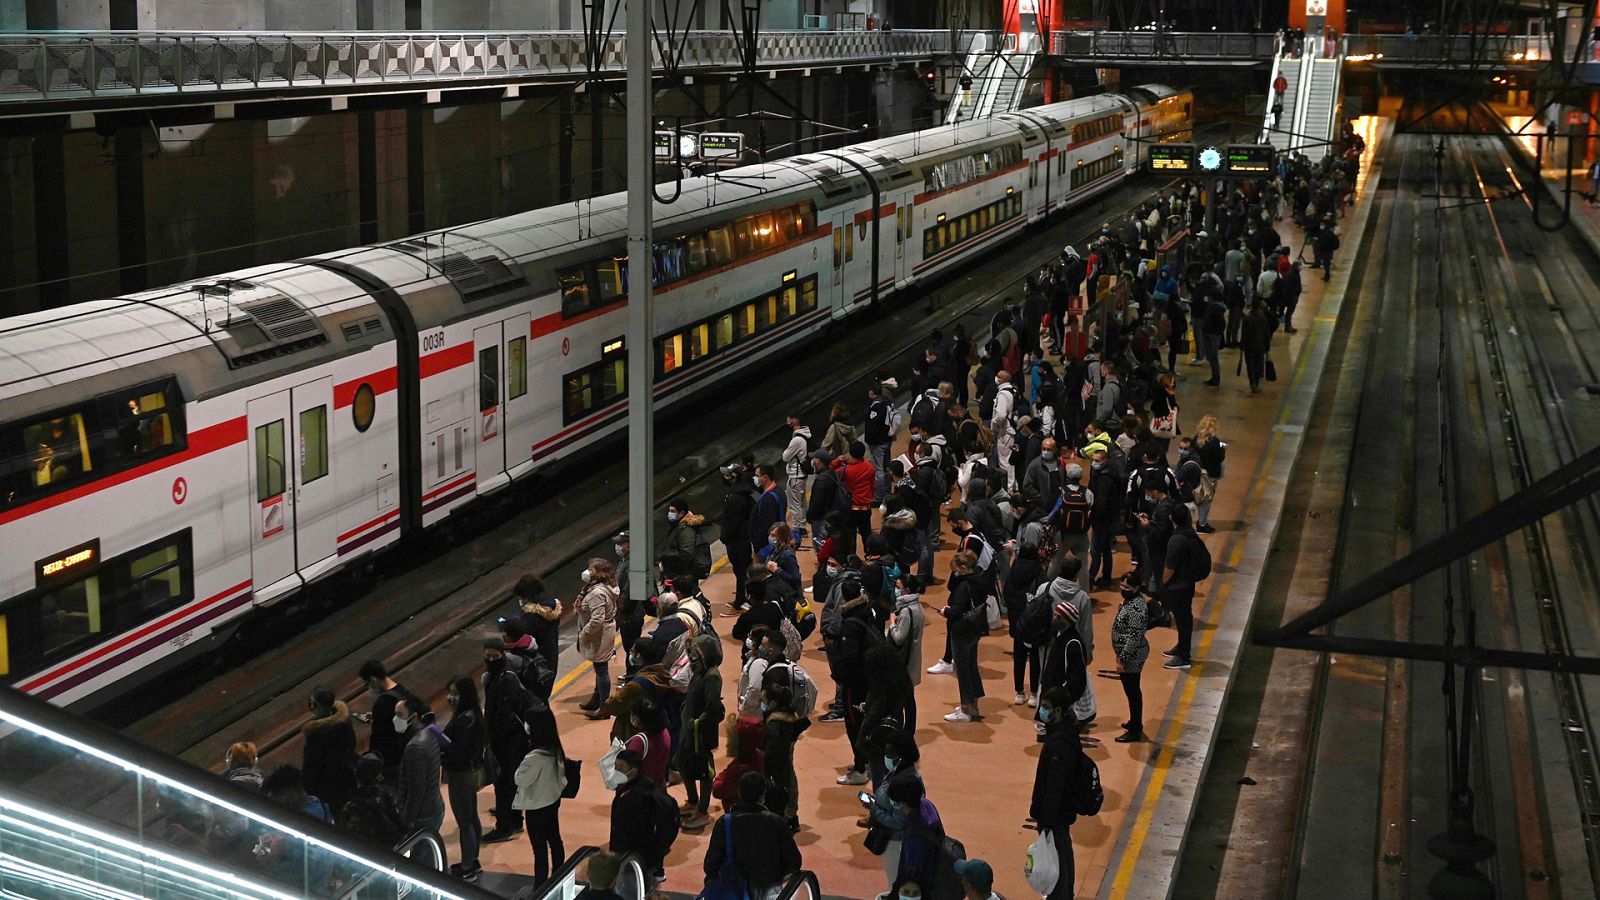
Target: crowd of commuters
1038, 447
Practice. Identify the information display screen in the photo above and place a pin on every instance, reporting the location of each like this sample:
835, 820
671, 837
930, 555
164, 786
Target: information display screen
721, 144
1251, 159
666, 145
1174, 158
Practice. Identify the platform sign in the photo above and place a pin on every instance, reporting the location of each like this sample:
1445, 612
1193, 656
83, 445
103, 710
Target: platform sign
721, 145
1177, 159
666, 145
1251, 159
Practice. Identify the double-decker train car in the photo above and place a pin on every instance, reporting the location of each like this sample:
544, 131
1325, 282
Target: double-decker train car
174, 460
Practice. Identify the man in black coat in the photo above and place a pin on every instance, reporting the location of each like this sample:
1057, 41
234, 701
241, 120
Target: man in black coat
763, 846
738, 505
328, 760
1055, 783
505, 705
633, 814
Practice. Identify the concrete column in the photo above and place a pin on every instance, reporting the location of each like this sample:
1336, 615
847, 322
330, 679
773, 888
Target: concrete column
416, 172
367, 174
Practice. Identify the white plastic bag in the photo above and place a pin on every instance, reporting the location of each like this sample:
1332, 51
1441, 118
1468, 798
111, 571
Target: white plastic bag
608, 766
1042, 865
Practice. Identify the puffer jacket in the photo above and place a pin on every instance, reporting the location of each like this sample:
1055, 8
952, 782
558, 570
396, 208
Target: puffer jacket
677, 549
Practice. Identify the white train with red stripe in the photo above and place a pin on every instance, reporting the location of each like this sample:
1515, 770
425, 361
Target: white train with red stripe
174, 459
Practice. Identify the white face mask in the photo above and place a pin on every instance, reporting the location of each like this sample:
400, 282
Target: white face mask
617, 548
400, 723
585, 576
888, 763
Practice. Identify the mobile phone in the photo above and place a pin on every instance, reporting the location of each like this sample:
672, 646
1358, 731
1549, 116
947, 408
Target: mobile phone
864, 797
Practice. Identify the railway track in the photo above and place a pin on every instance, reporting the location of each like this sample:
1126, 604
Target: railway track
1464, 379
420, 618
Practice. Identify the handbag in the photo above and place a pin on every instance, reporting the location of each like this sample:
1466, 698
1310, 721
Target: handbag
1042, 865
574, 771
608, 766
730, 882
1206, 490
992, 609
490, 769
1272, 371
1165, 426
877, 840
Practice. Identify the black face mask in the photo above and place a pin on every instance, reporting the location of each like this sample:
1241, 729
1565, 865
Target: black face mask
495, 665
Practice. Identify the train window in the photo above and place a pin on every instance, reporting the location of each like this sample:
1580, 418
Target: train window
488, 378
156, 579
741, 237
808, 294
611, 280
270, 473
5, 647
766, 312
363, 407
744, 322
670, 353
613, 379
699, 261
721, 245
699, 341
1016, 205
789, 303
838, 249
849, 246
724, 334
516, 367
1033, 173
670, 262
767, 235
900, 225
861, 229
574, 286
313, 444
577, 394
57, 451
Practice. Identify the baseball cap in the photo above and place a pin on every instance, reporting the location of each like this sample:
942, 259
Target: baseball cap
977, 873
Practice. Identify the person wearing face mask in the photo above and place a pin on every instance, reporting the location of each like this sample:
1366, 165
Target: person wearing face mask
329, 757
420, 803
650, 681
922, 839
734, 527
768, 648
782, 729
1132, 647
1105, 513
505, 705
1043, 477
1000, 423
541, 777
700, 732
968, 623
900, 758
239, 766
677, 545
1055, 784
758, 840
387, 692
540, 613
462, 759
639, 815
1188, 474
597, 610
780, 560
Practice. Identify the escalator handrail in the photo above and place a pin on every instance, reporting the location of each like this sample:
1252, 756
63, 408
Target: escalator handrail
30, 714
631, 865
803, 878
402, 849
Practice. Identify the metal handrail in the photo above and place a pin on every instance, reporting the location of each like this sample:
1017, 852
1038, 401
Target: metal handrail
420, 837
804, 878
563, 881
24, 715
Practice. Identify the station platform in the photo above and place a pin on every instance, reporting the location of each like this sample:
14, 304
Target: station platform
980, 774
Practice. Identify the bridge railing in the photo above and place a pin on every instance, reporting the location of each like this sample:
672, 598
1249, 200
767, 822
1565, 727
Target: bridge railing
65, 64
1448, 50
1148, 44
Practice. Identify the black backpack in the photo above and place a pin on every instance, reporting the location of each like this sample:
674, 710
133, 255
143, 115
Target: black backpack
1198, 568
1075, 510
1090, 796
664, 821
702, 555
1033, 628
532, 670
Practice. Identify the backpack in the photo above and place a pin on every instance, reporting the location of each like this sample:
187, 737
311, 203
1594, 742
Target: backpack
1033, 627
730, 882
802, 689
1090, 796
1198, 568
702, 555
1075, 510
534, 673
664, 821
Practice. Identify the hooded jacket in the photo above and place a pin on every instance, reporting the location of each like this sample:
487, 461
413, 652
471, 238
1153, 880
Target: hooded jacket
794, 455
677, 548
329, 757
702, 703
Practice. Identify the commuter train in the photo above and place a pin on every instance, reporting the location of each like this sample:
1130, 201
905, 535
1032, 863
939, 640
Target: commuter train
173, 460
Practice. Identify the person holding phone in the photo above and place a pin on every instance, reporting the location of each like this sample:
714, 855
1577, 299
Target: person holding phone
900, 758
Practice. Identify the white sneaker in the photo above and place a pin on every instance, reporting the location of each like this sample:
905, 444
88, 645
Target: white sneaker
941, 668
1019, 699
851, 776
959, 715
1033, 700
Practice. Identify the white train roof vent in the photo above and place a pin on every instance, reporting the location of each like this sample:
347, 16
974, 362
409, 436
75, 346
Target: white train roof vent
263, 323
354, 331
892, 166
473, 266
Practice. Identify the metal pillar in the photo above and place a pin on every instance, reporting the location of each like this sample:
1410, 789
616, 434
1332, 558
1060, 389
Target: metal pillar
641, 333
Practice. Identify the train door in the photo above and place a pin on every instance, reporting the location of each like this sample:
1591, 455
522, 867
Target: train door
272, 493
841, 231
491, 408
517, 427
316, 497
904, 207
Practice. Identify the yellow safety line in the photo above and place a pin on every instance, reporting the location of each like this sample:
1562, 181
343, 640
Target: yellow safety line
1158, 778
